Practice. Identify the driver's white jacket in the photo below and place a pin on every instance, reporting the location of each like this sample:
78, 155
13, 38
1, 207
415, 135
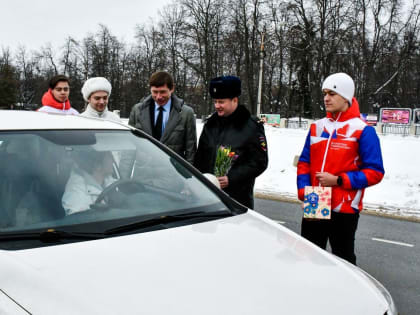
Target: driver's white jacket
82, 190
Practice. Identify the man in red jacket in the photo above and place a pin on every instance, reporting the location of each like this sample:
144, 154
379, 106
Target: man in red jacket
349, 153
56, 99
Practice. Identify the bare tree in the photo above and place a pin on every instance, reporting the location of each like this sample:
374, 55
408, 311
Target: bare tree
8, 81
375, 41
204, 24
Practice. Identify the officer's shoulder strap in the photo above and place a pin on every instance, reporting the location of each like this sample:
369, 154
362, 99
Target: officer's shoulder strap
257, 120
208, 118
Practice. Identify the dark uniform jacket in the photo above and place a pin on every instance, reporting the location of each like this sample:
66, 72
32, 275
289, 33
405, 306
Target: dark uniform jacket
246, 137
180, 132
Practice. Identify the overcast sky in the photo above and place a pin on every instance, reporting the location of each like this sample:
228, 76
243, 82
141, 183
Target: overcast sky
34, 23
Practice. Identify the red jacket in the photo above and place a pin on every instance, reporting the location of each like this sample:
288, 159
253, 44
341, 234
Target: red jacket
49, 100
353, 152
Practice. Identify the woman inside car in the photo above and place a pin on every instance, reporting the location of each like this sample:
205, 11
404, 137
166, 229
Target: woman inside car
88, 179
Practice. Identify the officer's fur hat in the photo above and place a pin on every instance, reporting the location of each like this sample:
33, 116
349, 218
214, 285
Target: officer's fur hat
225, 87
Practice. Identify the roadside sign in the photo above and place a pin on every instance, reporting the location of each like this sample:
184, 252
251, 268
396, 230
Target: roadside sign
416, 116
370, 119
396, 116
271, 119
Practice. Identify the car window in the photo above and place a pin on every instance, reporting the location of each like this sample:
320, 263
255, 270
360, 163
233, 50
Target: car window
52, 179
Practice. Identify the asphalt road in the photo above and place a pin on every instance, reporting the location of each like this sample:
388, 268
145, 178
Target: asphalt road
388, 249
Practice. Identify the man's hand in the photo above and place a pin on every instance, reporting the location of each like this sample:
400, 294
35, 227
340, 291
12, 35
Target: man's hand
223, 181
326, 179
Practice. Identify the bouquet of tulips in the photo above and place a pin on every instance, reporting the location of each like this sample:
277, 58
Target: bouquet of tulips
224, 159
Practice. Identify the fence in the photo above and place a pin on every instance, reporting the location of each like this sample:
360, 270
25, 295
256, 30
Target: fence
295, 124
399, 129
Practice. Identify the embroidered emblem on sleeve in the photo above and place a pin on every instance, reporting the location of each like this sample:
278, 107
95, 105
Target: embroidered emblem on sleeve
263, 143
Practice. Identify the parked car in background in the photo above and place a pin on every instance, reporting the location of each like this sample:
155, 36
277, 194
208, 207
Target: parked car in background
155, 237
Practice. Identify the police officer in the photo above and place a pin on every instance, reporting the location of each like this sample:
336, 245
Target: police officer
232, 126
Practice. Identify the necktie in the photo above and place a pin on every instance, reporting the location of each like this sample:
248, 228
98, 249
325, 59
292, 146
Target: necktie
158, 125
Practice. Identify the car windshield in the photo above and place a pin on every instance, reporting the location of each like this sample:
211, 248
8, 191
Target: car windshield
94, 179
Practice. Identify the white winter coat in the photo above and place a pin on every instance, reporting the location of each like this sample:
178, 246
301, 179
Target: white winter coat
50, 109
106, 114
81, 191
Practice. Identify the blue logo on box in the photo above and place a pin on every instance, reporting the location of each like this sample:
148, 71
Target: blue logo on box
312, 199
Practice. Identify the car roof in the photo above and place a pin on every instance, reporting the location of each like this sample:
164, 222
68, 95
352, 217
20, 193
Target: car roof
31, 120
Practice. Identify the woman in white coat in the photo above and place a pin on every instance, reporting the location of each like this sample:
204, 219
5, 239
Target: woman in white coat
96, 92
87, 180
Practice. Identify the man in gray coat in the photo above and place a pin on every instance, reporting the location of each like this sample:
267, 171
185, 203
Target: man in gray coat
166, 117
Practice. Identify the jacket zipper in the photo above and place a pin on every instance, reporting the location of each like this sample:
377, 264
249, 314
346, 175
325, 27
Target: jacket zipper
328, 143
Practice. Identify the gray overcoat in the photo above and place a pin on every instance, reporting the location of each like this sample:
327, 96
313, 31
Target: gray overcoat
180, 132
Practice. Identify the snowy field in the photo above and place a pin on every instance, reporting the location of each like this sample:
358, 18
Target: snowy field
398, 193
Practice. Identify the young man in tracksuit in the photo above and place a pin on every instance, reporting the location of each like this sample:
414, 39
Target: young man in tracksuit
349, 152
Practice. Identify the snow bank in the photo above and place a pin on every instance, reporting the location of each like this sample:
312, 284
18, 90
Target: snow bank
398, 193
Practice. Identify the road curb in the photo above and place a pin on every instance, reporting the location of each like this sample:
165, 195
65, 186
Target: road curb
293, 199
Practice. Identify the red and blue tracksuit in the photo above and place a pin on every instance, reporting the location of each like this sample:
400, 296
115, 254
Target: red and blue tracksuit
353, 152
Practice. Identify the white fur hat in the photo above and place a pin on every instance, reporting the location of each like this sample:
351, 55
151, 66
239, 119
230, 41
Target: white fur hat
95, 84
341, 83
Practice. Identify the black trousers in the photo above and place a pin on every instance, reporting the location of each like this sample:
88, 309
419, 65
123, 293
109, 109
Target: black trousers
340, 230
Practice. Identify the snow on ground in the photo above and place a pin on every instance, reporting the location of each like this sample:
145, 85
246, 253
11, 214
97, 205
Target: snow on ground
398, 193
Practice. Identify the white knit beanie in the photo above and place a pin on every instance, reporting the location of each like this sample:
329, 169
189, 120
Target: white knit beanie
94, 85
341, 83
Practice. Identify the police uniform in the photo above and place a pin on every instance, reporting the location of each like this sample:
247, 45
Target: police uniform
243, 134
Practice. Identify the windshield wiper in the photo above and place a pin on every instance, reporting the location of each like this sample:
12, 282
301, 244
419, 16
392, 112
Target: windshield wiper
49, 236
162, 219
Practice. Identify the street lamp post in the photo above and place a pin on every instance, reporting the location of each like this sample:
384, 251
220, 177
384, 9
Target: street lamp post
260, 75
376, 107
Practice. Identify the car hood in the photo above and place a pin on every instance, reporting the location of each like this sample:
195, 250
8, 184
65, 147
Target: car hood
246, 264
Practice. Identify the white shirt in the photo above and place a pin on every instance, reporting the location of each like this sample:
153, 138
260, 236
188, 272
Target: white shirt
166, 111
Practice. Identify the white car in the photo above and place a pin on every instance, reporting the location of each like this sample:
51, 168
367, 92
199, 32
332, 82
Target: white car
99, 218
